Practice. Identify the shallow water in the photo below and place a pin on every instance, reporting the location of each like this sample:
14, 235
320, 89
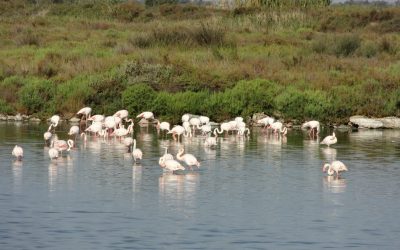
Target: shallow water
256, 193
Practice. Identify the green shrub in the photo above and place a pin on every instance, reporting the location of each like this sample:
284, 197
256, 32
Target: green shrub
127, 11
27, 37
138, 98
36, 96
347, 45
9, 87
369, 49
4, 107
290, 103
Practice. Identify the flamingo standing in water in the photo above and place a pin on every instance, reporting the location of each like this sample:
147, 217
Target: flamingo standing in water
170, 165
334, 167
47, 136
136, 153
18, 152
62, 145
178, 130
123, 114
74, 131
53, 153
329, 140
165, 157
54, 120
189, 159
163, 126
86, 111
278, 127
225, 126
146, 115
313, 126
211, 141
128, 142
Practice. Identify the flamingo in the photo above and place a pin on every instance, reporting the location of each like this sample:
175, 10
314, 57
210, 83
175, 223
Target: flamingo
18, 152
86, 111
165, 157
329, 140
278, 127
226, 126
146, 115
95, 128
54, 120
186, 117
53, 153
128, 141
74, 130
334, 167
204, 119
178, 130
47, 136
109, 123
187, 127
313, 126
62, 145
170, 165
137, 153
96, 118
205, 129
189, 159
266, 121
130, 127
163, 125
194, 122
123, 114
211, 141
242, 131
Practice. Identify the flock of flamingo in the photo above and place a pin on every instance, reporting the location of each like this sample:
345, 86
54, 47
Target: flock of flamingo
114, 126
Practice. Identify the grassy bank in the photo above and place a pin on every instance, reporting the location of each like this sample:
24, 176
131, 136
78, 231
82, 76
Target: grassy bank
300, 63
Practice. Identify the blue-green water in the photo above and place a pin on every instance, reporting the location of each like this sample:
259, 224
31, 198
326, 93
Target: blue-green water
256, 193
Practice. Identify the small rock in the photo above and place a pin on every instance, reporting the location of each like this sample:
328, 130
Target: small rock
34, 119
25, 117
3, 117
11, 118
390, 122
74, 120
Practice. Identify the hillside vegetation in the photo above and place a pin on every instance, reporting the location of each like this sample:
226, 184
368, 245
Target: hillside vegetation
307, 62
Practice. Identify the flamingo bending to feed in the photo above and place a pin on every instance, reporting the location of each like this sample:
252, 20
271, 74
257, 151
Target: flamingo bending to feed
329, 140
334, 167
178, 130
278, 127
18, 152
195, 122
189, 159
96, 118
204, 119
136, 153
313, 126
62, 145
53, 153
86, 111
128, 142
163, 126
94, 128
170, 165
186, 117
54, 120
146, 115
225, 126
211, 141
123, 114
47, 136
165, 157
266, 121
74, 130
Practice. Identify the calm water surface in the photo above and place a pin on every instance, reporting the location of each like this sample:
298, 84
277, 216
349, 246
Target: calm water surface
256, 193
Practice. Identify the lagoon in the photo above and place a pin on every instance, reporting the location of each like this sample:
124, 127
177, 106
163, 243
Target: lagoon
260, 192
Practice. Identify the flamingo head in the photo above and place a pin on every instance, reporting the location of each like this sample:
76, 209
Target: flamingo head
326, 166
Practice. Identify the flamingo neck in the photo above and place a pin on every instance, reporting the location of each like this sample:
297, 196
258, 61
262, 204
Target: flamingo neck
179, 155
134, 144
51, 125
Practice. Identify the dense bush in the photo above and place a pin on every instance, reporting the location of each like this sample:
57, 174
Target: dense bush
36, 96
138, 98
347, 45
5, 108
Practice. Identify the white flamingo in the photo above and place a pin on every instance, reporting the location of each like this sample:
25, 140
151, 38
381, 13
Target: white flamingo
18, 152
313, 126
86, 111
146, 115
178, 130
54, 120
47, 136
74, 131
96, 118
278, 127
329, 140
189, 159
163, 126
53, 153
123, 114
211, 141
95, 128
165, 157
334, 167
128, 142
195, 122
136, 153
266, 121
225, 126
204, 119
186, 117
170, 165
62, 145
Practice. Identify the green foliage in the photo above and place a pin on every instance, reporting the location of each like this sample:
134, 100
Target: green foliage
347, 45
127, 11
4, 107
36, 96
137, 98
